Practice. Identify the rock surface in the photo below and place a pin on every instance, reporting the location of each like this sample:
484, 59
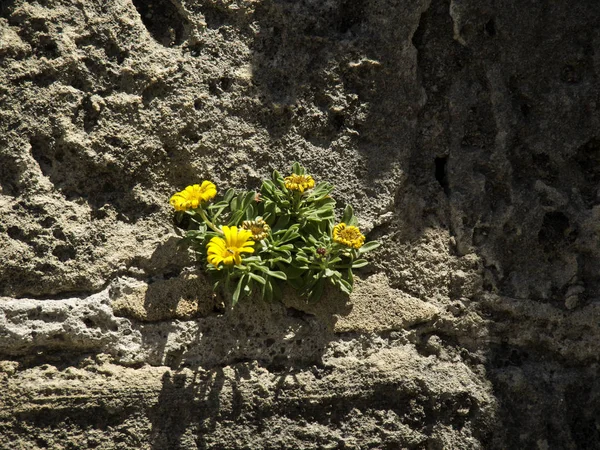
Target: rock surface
464, 133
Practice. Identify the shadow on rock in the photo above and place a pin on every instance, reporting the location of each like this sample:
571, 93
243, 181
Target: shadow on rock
333, 71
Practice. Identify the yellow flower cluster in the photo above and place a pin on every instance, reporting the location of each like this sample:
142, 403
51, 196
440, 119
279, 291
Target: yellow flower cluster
259, 228
227, 249
299, 182
192, 196
348, 235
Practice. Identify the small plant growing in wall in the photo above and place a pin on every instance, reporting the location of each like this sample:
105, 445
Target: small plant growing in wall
286, 233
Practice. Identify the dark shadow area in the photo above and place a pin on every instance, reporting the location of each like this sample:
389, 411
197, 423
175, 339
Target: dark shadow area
163, 21
175, 410
276, 336
522, 201
10, 174
234, 406
227, 349
334, 69
554, 402
79, 176
215, 364
441, 173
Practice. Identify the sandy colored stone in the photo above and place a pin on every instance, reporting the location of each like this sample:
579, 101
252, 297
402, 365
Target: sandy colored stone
185, 297
370, 399
376, 307
465, 135
373, 306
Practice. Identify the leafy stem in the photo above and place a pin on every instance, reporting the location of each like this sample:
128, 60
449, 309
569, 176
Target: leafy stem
288, 234
211, 225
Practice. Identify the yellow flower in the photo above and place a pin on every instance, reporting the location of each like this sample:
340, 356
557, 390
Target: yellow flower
299, 182
259, 228
192, 196
348, 235
227, 249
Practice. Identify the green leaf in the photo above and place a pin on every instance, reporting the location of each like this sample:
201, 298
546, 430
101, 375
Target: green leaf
290, 234
238, 289
372, 245
276, 274
248, 199
268, 189
317, 291
297, 283
325, 214
297, 169
236, 218
229, 195
269, 212
267, 291
233, 204
250, 259
344, 286
294, 272
279, 181
302, 259
320, 192
332, 273
258, 278
251, 211
284, 219
348, 214
359, 263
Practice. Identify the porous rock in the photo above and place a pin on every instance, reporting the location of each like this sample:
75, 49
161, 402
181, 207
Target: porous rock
463, 132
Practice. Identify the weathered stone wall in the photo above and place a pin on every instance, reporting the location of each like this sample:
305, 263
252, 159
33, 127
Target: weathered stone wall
464, 132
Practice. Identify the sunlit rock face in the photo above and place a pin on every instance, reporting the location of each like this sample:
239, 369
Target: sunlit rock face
465, 135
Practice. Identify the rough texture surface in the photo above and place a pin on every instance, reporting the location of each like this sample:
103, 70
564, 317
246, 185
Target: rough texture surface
464, 133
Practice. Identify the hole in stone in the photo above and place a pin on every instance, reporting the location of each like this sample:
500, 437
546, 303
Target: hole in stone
48, 222
338, 121
213, 88
226, 83
162, 20
64, 252
41, 153
58, 234
441, 173
213, 16
555, 229
490, 27
10, 174
352, 13
16, 233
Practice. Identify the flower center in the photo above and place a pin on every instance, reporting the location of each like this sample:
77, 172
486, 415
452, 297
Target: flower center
298, 179
299, 182
259, 228
350, 234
